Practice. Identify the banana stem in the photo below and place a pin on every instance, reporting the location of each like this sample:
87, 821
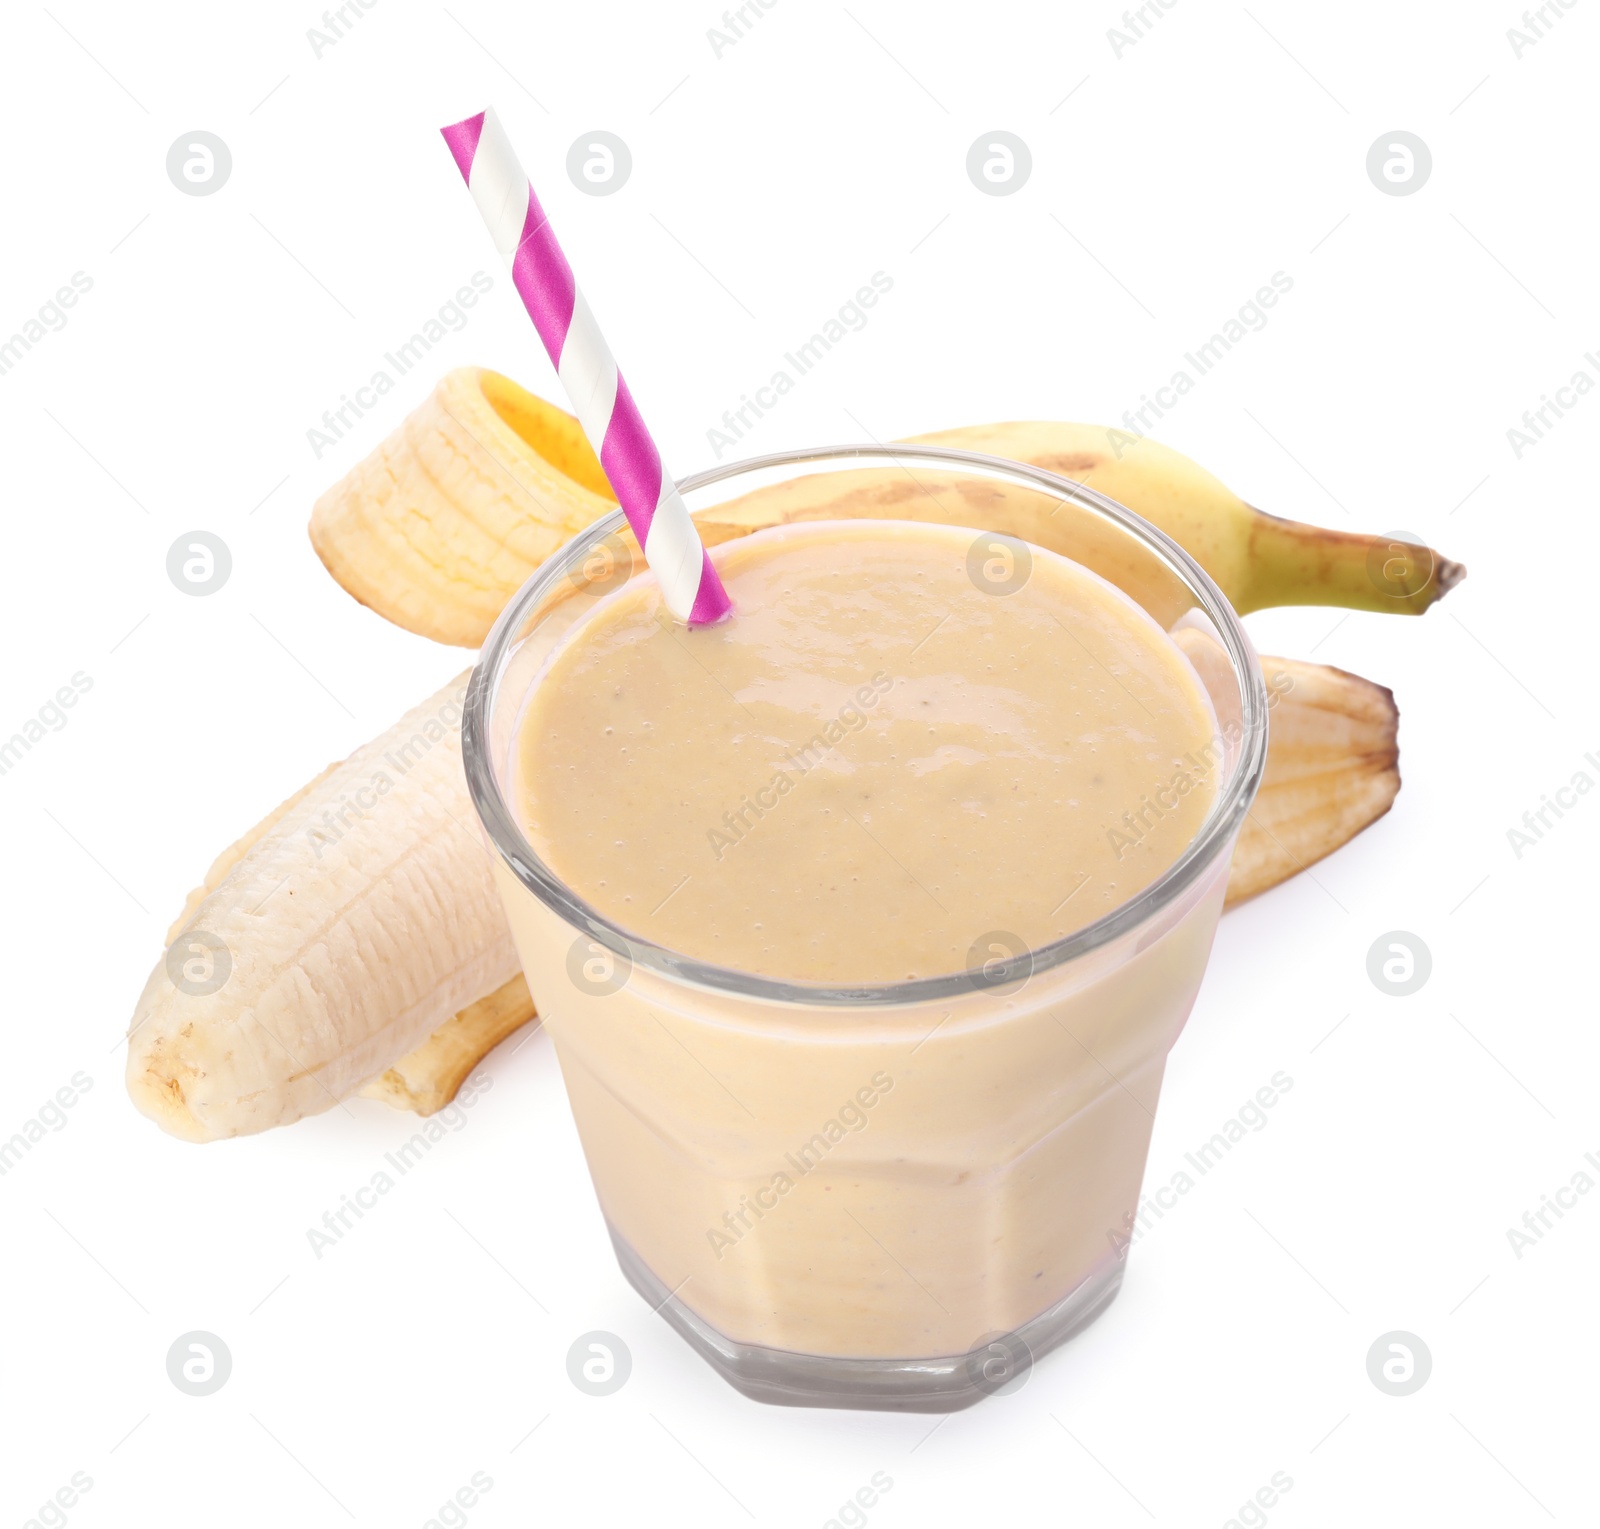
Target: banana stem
1295, 564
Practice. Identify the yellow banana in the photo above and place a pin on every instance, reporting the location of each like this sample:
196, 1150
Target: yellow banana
439, 527
1258, 560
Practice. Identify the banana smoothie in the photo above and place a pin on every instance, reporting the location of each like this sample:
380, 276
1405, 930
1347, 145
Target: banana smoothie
904, 757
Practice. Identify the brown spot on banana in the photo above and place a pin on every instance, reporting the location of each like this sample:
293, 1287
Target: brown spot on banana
1069, 465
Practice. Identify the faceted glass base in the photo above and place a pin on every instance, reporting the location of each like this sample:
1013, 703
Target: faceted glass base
944, 1384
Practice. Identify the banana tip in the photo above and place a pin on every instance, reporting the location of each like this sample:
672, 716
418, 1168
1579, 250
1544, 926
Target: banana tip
1449, 575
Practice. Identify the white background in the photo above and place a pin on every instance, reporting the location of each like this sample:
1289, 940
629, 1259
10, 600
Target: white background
768, 184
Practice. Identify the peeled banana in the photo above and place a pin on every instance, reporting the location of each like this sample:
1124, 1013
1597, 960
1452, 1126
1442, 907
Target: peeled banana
339, 936
439, 527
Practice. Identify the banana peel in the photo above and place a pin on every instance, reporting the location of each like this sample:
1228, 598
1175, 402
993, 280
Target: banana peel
427, 1079
1333, 768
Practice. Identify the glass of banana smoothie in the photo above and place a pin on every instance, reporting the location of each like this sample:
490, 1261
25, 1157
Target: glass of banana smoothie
863, 922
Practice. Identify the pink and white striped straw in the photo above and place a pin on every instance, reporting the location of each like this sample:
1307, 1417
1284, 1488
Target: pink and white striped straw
605, 408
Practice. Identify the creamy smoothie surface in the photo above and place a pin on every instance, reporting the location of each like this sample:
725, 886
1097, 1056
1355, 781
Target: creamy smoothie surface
877, 766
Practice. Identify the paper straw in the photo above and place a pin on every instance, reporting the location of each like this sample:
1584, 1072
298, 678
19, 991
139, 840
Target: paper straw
588, 372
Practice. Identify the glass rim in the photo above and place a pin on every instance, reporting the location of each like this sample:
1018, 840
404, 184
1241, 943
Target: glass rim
1216, 832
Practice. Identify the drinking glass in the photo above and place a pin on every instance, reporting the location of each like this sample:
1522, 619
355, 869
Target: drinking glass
893, 1195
